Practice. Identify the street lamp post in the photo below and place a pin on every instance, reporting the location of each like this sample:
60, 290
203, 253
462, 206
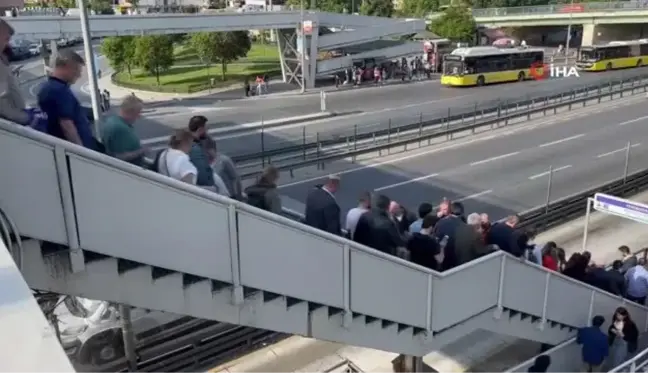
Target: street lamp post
91, 65
303, 48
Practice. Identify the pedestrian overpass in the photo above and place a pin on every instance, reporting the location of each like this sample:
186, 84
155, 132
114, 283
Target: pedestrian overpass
358, 30
121, 233
600, 20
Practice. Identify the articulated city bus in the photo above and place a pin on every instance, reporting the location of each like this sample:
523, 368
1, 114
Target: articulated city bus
478, 66
613, 55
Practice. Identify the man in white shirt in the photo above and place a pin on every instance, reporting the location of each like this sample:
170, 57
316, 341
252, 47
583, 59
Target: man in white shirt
355, 213
174, 162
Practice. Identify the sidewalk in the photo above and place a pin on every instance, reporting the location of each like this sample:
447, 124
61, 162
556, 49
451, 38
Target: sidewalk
277, 89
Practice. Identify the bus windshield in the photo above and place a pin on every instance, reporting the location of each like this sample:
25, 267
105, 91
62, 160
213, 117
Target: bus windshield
453, 68
589, 54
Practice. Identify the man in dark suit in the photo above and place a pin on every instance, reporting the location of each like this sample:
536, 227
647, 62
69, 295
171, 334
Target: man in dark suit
448, 227
322, 210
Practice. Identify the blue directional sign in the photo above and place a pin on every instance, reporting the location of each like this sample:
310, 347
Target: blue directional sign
621, 207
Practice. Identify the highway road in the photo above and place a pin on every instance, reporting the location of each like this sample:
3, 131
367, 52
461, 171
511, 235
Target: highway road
372, 107
378, 108
504, 172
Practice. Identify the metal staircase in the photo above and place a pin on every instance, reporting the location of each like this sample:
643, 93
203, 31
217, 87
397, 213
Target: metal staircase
128, 235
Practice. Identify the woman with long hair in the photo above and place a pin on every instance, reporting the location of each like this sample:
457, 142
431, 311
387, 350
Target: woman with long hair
623, 336
549, 256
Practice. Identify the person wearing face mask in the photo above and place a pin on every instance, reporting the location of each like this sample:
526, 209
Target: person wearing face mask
12, 104
623, 336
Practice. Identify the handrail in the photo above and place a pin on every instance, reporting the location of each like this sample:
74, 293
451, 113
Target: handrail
73, 150
573, 9
496, 114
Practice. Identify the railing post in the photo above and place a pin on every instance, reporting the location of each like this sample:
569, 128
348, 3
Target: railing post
77, 262
355, 137
549, 189
346, 273
429, 314
590, 313
543, 320
627, 163
322, 101
237, 294
262, 144
304, 142
499, 309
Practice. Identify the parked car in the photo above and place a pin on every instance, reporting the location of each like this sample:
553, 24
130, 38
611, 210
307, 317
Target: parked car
35, 49
91, 333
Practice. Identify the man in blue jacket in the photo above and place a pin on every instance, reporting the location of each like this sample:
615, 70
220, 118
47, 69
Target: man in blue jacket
595, 345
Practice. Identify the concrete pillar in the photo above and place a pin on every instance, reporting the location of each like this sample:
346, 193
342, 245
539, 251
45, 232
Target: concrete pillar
589, 34
312, 60
408, 364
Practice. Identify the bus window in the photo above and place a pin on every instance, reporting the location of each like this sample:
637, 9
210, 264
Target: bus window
588, 54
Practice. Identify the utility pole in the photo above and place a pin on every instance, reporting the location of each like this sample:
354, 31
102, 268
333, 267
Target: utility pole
90, 63
302, 57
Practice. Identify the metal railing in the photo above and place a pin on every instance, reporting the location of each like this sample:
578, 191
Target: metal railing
609, 6
361, 140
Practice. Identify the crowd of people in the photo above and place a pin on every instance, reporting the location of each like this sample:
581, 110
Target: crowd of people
438, 238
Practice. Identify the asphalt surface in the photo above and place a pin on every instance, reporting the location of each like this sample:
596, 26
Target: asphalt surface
369, 108
503, 173
380, 108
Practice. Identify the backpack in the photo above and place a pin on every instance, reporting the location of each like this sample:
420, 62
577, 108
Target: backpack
529, 255
37, 120
256, 197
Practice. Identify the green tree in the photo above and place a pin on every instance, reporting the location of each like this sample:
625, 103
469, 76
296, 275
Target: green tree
419, 8
377, 8
100, 6
334, 6
154, 53
456, 23
120, 52
220, 47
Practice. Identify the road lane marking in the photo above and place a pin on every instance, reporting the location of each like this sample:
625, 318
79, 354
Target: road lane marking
476, 195
547, 172
391, 161
405, 182
494, 158
562, 140
616, 151
633, 120
436, 149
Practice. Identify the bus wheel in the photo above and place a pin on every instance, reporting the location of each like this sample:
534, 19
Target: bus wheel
608, 67
521, 76
639, 63
481, 81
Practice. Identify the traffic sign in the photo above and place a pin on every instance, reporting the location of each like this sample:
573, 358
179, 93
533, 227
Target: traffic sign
621, 207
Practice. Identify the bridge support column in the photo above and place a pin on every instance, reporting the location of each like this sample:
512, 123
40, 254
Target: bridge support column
289, 56
408, 364
312, 60
589, 34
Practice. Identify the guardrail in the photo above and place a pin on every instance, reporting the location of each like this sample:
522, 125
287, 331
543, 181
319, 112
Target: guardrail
446, 128
609, 6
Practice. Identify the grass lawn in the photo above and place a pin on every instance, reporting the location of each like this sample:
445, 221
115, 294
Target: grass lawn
259, 53
196, 78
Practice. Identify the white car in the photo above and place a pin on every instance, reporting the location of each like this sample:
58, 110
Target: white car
91, 330
35, 49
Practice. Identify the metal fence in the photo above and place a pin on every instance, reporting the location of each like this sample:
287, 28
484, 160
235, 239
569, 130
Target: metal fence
610, 6
420, 130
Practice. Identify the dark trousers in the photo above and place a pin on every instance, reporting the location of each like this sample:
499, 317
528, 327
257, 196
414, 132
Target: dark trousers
641, 300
